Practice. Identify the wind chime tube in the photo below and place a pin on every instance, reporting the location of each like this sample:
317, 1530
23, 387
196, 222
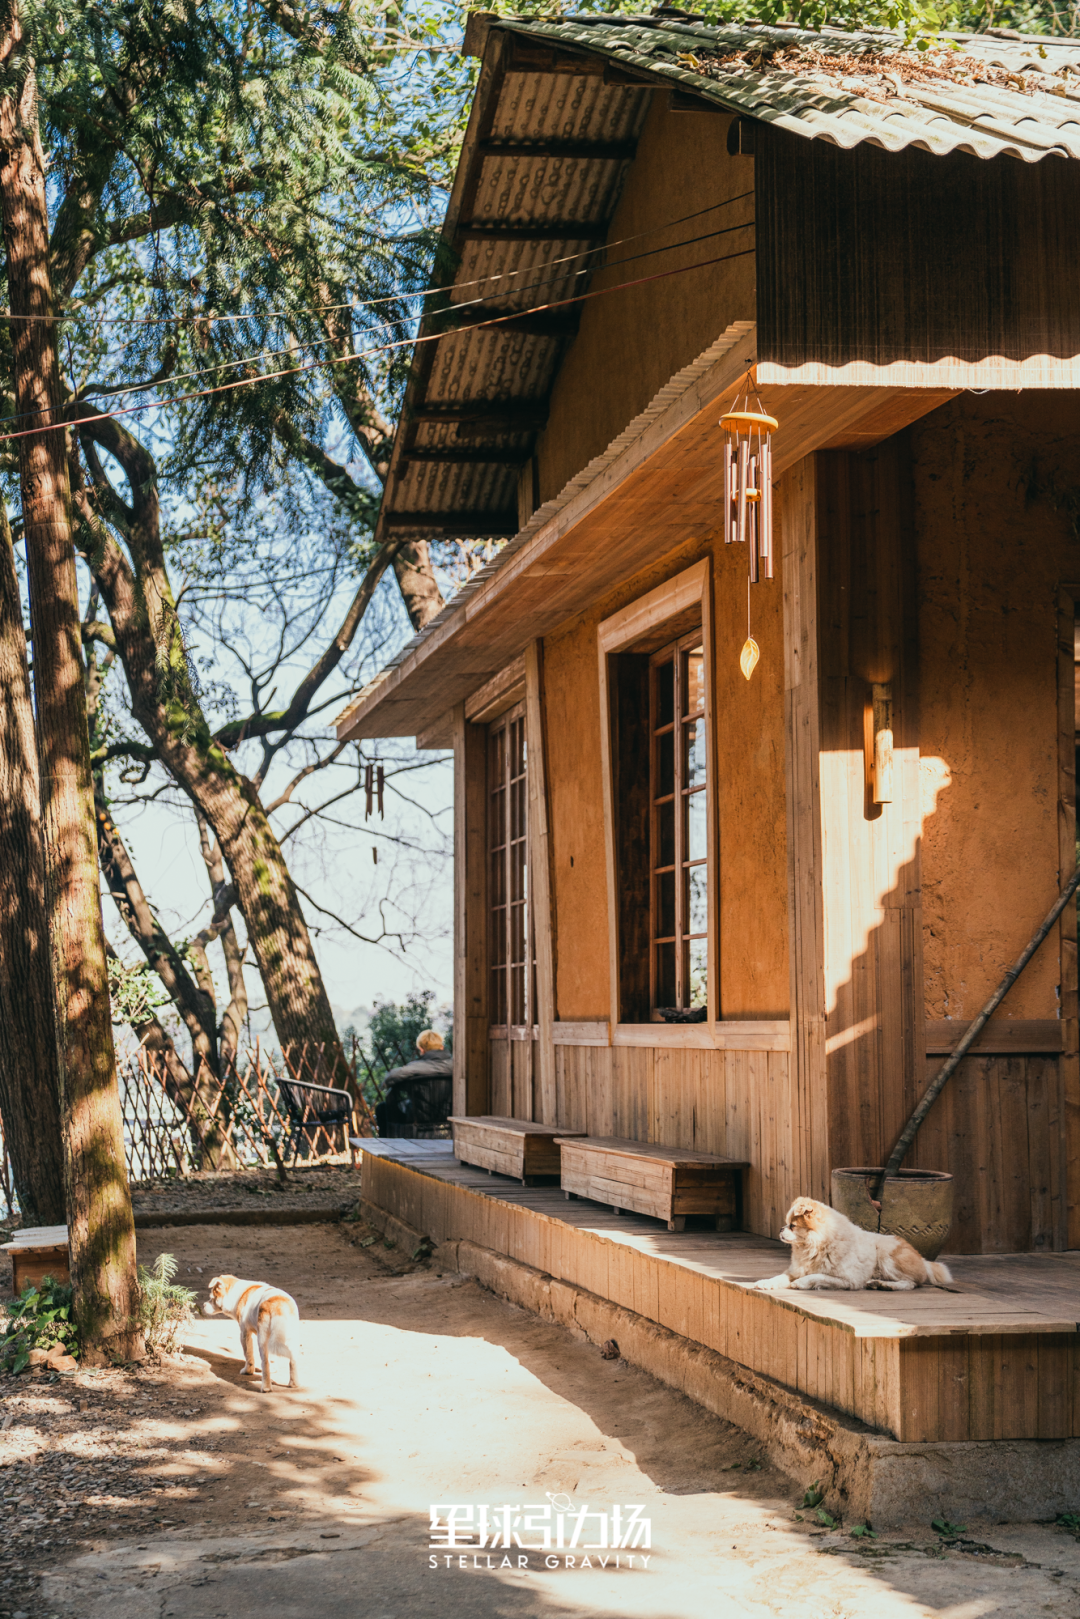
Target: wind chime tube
765, 504
744, 468
752, 514
729, 490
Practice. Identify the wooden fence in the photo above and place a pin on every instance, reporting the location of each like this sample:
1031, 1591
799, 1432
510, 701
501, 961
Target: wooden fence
238, 1119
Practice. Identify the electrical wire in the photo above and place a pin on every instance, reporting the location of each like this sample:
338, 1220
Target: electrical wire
372, 303
451, 309
386, 348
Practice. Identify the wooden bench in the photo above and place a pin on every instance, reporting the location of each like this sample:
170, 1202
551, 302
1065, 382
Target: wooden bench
514, 1147
666, 1182
37, 1252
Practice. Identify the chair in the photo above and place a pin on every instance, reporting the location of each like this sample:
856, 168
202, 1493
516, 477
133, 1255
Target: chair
419, 1096
314, 1107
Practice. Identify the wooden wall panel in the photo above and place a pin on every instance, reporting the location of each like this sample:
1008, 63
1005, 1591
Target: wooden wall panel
502, 1096
997, 1127
871, 256
738, 1104
872, 909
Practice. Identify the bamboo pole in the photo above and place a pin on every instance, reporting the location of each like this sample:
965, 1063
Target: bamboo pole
965, 1043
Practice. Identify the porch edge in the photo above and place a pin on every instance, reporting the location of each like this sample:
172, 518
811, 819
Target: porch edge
866, 1477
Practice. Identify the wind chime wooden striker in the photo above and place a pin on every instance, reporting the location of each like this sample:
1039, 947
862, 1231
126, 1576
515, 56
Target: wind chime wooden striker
748, 430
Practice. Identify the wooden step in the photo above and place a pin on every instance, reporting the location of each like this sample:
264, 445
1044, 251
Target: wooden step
668, 1183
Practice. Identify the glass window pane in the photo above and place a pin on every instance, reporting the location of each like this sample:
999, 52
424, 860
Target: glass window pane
665, 975
498, 878
498, 819
517, 933
697, 832
665, 905
498, 938
697, 907
517, 808
664, 676
665, 764
694, 732
664, 853
699, 972
517, 872
694, 682
517, 994
517, 747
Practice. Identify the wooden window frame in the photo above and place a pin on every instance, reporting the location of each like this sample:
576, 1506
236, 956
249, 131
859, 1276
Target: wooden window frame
677, 653
642, 625
512, 840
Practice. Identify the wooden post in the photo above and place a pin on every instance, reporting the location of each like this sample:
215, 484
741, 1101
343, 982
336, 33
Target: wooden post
100, 1222
1064, 1125
541, 886
857, 976
798, 539
471, 1020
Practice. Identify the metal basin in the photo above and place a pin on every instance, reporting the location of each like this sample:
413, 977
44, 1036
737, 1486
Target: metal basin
916, 1204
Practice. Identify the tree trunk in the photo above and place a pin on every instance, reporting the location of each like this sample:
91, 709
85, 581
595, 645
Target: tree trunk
29, 1076
150, 646
100, 1226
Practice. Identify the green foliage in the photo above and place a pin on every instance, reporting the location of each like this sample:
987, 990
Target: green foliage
40, 1318
396, 1027
827, 1519
814, 1496
947, 1530
862, 1531
135, 992
918, 21
1067, 1520
164, 1307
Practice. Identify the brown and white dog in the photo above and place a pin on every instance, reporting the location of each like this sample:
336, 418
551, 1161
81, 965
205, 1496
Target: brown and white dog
827, 1250
262, 1312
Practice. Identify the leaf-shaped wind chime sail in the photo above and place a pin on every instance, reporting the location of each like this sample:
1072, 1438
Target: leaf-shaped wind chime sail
748, 430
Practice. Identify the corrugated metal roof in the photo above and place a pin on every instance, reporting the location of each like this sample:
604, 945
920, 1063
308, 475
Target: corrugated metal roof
546, 155
545, 158
854, 87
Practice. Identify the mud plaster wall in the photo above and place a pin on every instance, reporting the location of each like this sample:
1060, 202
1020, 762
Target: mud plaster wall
749, 764
631, 342
990, 560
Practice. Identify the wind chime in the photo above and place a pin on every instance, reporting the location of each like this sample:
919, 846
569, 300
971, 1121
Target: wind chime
748, 430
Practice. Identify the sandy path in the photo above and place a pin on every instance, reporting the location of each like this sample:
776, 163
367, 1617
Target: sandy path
421, 1388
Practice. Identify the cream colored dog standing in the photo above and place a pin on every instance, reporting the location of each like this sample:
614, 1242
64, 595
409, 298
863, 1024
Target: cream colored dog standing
262, 1312
828, 1251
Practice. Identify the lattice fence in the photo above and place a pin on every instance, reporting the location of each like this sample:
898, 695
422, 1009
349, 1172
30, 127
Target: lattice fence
255, 1114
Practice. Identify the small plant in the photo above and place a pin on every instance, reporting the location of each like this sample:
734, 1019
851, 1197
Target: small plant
947, 1530
827, 1519
862, 1531
814, 1496
39, 1319
164, 1308
1068, 1520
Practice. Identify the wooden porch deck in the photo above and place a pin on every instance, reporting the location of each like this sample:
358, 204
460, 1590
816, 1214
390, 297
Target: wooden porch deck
995, 1357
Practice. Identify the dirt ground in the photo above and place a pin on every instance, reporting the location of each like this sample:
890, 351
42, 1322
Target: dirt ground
177, 1491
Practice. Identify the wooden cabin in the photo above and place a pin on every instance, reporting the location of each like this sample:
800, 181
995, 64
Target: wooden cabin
645, 211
